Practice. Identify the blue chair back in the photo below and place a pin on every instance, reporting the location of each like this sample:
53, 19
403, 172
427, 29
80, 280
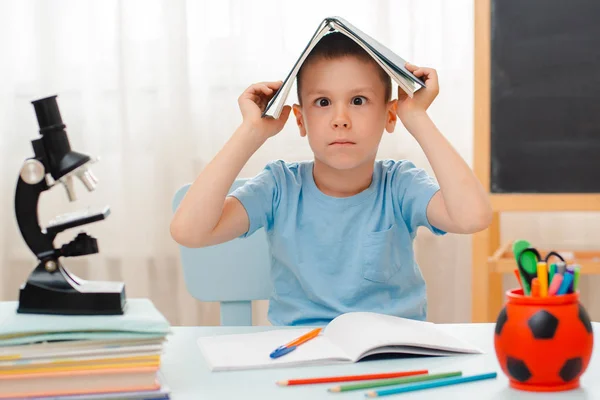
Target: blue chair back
233, 273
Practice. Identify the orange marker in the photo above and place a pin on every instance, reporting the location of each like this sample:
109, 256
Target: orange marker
535, 288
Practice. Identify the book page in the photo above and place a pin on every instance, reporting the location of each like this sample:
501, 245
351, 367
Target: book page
388, 56
402, 81
278, 100
252, 350
363, 333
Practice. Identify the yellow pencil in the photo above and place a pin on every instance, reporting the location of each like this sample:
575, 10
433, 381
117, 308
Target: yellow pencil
542, 275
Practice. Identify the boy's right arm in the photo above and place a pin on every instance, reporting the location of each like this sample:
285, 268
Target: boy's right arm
206, 216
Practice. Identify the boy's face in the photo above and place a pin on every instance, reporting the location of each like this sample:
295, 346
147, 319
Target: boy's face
344, 111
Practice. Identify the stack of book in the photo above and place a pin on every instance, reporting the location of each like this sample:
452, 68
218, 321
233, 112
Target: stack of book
76, 357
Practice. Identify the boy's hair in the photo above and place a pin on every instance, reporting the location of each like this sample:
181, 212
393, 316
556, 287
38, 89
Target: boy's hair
337, 45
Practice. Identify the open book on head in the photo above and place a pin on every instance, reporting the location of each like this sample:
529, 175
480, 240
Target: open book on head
348, 338
388, 60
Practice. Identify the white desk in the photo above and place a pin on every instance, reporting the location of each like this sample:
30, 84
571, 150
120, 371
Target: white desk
188, 376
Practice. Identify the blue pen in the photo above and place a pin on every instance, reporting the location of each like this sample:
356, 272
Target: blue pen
280, 351
566, 283
430, 384
286, 348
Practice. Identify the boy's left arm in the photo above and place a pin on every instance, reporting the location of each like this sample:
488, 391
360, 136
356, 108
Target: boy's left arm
462, 205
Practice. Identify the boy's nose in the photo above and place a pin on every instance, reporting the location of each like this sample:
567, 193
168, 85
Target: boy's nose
340, 120
338, 124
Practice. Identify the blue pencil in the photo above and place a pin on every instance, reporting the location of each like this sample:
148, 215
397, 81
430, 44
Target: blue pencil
430, 384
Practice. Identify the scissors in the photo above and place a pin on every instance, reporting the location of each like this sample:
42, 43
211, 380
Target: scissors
528, 266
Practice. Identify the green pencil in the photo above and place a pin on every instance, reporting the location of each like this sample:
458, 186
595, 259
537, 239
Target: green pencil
396, 381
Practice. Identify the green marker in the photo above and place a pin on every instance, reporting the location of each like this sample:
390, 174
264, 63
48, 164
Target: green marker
552, 271
395, 381
576, 272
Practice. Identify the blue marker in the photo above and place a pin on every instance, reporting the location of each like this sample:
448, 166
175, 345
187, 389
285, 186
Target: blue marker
566, 283
430, 384
561, 268
571, 269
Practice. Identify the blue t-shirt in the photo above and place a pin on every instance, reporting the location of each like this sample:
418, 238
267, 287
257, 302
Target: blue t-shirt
332, 255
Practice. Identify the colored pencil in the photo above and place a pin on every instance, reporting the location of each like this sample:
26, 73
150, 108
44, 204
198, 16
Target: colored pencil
390, 382
431, 384
350, 378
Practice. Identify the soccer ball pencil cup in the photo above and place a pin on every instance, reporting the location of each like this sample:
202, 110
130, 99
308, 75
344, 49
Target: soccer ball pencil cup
543, 344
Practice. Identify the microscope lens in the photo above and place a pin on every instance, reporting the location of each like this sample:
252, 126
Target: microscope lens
87, 180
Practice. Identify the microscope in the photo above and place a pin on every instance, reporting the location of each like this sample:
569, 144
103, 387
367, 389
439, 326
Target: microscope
51, 288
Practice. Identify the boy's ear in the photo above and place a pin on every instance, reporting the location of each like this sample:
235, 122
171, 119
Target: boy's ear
391, 117
299, 121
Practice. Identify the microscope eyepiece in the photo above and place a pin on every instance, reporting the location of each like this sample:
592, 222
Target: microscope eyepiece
48, 114
61, 161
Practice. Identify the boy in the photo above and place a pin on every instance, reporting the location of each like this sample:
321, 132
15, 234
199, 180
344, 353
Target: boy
341, 227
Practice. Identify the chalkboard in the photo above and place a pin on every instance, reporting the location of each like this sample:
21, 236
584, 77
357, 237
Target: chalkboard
545, 96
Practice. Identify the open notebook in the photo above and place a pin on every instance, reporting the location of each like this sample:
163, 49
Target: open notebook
348, 338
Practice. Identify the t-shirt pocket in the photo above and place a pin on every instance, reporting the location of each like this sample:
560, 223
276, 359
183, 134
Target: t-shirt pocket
382, 253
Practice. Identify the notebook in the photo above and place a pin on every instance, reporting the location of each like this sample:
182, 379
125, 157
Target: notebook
346, 339
140, 320
73, 348
129, 360
388, 60
79, 382
163, 393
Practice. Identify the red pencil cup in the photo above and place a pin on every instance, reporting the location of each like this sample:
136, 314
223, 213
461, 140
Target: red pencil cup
543, 344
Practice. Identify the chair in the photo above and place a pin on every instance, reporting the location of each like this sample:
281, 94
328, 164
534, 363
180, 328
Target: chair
232, 273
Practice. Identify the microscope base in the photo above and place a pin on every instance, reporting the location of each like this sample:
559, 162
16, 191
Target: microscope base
61, 292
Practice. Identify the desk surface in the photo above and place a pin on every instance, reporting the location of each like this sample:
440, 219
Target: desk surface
188, 376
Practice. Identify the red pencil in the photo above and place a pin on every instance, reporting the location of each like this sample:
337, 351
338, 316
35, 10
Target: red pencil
350, 378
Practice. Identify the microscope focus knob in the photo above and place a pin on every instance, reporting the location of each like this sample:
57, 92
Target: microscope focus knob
32, 171
50, 265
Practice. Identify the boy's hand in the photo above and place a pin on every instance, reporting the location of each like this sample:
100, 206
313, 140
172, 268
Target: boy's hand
253, 102
423, 98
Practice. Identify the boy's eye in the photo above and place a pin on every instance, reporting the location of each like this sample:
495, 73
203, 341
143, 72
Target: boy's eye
359, 100
322, 102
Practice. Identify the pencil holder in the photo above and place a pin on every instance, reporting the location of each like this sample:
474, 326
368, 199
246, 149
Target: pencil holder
543, 344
